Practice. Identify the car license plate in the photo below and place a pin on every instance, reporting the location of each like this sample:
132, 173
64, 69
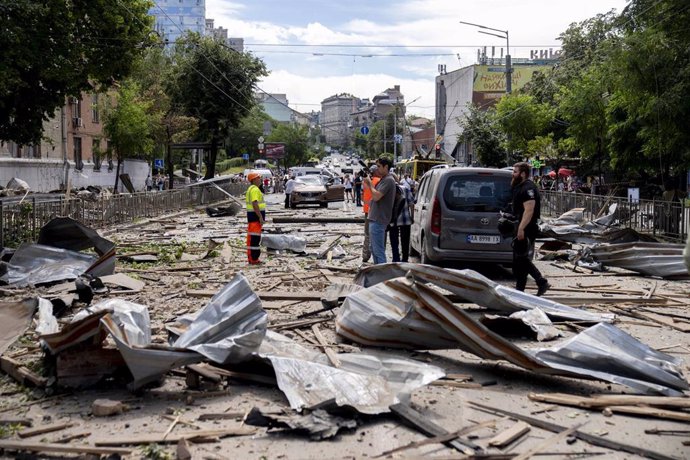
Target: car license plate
484, 239
309, 198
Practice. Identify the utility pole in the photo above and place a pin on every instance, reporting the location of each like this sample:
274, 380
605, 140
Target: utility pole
384, 135
509, 68
395, 135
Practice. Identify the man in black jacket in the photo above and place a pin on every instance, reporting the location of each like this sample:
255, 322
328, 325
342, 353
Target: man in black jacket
527, 208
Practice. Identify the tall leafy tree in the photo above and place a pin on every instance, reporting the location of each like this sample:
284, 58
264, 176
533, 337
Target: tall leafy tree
128, 126
55, 48
522, 119
296, 140
214, 84
480, 130
243, 138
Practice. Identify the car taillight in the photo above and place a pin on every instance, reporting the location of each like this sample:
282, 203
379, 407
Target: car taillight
436, 217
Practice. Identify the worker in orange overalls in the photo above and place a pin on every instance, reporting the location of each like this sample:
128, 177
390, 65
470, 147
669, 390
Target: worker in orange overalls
256, 216
366, 200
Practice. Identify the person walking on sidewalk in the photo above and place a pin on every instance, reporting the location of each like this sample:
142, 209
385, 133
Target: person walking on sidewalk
381, 209
358, 188
527, 209
348, 189
256, 217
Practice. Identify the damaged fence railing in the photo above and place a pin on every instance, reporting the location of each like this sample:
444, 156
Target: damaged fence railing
21, 222
670, 219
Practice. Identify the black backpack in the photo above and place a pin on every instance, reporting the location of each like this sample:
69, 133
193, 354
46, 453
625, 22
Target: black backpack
399, 202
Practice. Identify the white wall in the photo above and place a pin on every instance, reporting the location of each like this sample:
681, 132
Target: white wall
459, 86
46, 175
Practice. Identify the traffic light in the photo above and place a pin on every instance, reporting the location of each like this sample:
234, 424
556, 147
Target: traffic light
437, 147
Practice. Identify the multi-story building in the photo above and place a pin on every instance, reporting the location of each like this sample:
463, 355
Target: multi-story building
174, 17
275, 106
480, 85
388, 101
336, 126
219, 33
73, 150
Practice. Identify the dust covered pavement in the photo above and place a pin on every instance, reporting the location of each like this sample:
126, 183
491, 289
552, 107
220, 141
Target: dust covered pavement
207, 404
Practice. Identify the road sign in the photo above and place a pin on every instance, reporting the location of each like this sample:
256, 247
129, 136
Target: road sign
158, 163
536, 164
398, 138
364, 130
261, 139
245, 156
261, 146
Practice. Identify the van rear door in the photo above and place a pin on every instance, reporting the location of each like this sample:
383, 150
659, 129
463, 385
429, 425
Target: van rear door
472, 201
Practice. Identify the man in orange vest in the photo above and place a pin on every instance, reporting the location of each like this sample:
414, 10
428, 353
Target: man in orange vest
366, 200
256, 217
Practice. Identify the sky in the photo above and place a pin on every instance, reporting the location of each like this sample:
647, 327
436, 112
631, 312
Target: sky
318, 48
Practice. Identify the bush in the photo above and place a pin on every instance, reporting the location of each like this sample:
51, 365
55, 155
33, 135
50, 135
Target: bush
230, 163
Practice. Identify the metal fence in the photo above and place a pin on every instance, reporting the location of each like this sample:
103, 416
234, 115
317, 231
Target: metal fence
666, 219
22, 221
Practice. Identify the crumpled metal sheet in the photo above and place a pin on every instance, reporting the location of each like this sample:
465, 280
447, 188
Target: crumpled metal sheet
35, 264
478, 289
569, 226
535, 320
608, 353
365, 382
650, 259
230, 327
282, 242
56, 256
368, 318
15, 318
318, 424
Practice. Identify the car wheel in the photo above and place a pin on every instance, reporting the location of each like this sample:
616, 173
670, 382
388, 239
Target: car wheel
423, 256
324, 205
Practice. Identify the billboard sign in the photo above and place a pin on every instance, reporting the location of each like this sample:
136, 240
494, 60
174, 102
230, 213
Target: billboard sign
275, 150
492, 79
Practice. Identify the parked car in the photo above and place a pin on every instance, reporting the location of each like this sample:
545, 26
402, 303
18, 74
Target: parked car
314, 189
456, 216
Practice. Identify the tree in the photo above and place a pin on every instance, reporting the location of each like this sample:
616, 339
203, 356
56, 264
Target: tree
296, 140
243, 138
522, 119
53, 49
214, 84
128, 127
480, 130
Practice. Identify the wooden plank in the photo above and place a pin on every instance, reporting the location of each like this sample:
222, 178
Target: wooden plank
508, 436
20, 373
306, 296
548, 442
44, 429
651, 412
600, 401
205, 372
15, 421
332, 357
294, 324
161, 438
53, 447
429, 428
590, 438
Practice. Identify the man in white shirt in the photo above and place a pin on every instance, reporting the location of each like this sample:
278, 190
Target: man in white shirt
289, 187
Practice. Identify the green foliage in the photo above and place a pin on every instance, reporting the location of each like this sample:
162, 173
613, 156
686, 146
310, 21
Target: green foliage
480, 130
53, 49
522, 119
155, 452
296, 140
243, 138
128, 124
214, 84
230, 163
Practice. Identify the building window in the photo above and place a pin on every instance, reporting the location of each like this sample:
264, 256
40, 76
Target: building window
78, 163
76, 107
33, 151
95, 115
96, 154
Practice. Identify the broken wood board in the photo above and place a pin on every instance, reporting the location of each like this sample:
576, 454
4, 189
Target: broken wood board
161, 438
124, 281
61, 448
548, 442
601, 401
20, 373
43, 429
332, 356
508, 436
590, 438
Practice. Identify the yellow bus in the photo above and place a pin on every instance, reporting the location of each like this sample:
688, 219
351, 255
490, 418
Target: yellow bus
415, 167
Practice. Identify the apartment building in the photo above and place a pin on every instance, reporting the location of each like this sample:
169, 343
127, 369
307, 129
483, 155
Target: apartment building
172, 18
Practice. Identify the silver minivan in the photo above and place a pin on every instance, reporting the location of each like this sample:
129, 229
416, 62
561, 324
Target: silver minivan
456, 216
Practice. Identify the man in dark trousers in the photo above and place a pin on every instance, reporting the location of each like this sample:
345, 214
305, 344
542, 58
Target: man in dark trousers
527, 208
256, 217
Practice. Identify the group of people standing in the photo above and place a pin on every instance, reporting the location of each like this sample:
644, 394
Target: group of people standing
388, 211
388, 206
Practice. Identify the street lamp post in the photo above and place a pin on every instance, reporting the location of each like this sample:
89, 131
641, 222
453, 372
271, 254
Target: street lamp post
509, 70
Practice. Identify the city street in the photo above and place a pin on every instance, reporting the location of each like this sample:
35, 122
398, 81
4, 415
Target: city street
180, 287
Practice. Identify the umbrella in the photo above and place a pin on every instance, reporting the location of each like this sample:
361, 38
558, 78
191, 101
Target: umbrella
552, 174
565, 172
